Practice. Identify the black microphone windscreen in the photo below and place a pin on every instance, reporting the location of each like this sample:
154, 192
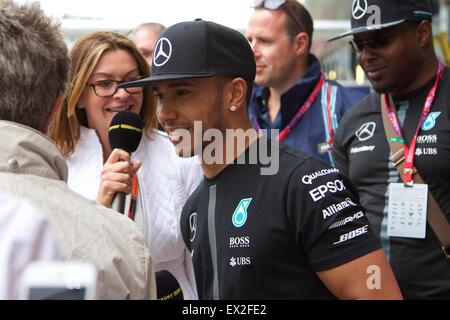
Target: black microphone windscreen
167, 287
125, 131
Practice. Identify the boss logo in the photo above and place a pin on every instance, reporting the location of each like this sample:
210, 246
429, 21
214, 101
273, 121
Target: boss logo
240, 242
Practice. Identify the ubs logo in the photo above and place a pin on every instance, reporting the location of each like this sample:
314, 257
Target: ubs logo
240, 261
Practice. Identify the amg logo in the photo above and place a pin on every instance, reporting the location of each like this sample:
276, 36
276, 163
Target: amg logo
352, 234
343, 222
240, 242
335, 208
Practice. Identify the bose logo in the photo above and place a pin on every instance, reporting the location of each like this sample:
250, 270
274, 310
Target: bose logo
332, 186
352, 234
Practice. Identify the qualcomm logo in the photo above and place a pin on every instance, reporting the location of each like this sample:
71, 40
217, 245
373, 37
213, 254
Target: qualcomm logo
163, 51
430, 121
359, 8
240, 214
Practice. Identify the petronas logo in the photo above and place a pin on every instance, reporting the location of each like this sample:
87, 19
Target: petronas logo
240, 214
430, 121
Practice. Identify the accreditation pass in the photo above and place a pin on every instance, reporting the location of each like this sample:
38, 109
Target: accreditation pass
407, 213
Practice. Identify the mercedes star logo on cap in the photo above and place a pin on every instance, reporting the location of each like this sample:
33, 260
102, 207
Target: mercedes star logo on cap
163, 52
359, 10
366, 131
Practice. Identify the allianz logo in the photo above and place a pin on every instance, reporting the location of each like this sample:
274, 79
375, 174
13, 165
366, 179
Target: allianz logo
337, 207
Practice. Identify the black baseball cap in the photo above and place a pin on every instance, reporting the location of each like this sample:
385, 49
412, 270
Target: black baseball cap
371, 15
199, 49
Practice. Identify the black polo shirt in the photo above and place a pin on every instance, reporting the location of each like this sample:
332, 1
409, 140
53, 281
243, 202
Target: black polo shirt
256, 236
362, 153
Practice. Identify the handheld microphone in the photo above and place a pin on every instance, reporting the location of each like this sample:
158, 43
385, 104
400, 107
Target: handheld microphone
125, 132
167, 287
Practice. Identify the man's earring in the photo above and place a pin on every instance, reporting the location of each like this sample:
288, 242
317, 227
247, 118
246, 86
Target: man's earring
233, 108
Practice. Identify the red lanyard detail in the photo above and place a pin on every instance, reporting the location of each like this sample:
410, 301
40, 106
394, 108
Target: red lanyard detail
330, 121
301, 112
410, 151
133, 201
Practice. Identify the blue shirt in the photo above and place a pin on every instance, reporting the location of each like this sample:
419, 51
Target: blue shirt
312, 130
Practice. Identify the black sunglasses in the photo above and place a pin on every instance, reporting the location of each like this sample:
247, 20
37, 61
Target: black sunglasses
377, 42
381, 40
277, 4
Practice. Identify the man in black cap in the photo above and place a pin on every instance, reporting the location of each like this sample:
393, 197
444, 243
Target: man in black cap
293, 232
394, 144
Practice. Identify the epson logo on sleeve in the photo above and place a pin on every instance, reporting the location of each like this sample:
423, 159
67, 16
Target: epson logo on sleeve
308, 179
352, 234
330, 187
343, 222
336, 208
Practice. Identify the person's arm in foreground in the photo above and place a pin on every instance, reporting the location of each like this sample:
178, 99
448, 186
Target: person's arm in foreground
367, 277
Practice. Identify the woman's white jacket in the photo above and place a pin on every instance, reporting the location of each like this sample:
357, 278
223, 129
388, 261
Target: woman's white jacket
165, 183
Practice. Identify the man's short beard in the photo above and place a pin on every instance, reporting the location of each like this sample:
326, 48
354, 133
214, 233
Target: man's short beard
385, 89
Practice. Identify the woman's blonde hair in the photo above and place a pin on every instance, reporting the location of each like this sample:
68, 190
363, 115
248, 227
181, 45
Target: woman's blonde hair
84, 56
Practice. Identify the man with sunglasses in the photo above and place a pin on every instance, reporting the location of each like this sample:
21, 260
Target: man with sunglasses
292, 94
400, 130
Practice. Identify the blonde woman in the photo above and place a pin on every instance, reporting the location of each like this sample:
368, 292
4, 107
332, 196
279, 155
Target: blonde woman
161, 181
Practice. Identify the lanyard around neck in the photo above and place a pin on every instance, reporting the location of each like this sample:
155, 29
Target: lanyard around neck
409, 151
301, 111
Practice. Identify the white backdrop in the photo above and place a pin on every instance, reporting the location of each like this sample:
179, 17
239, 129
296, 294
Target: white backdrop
232, 13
